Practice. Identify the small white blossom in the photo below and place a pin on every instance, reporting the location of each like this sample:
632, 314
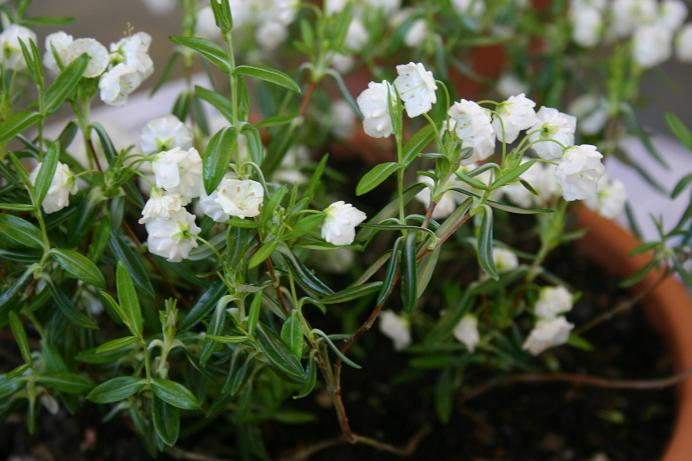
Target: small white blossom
513, 115
683, 44
133, 51
579, 172
334, 6
591, 112
271, 34
339, 226
552, 302
173, 238
416, 33
610, 199
240, 197
472, 8
466, 332
57, 43
289, 171
12, 56
416, 87
343, 120
552, 127
205, 24
474, 128
342, 62
98, 56
61, 187
627, 15
509, 85
161, 205
118, 83
547, 334
396, 328
446, 204
357, 35
505, 260
164, 133
587, 24
672, 14
374, 104
179, 170
652, 45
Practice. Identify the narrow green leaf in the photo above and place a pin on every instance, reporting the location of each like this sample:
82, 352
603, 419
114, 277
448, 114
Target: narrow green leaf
279, 355
13, 290
678, 128
485, 243
116, 389
79, 266
70, 310
174, 394
46, 173
217, 157
17, 123
204, 305
208, 49
21, 231
390, 275
336, 350
681, 185
133, 263
352, 292
228, 339
512, 175
166, 421
116, 345
220, 102
408, 274
268, 75
376, 176
264, 252
417, 143
64, 381
20, 337
129, 302
310, 382
64, 84
292, 334
254, 313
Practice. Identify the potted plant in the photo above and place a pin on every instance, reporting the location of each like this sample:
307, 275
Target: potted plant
220, 278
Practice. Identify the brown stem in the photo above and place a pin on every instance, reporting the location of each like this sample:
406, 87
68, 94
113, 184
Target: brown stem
429, 213
179, 453
92, 150
625, 305
575, 378
306, 99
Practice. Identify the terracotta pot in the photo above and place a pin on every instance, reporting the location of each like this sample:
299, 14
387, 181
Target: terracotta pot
668, 307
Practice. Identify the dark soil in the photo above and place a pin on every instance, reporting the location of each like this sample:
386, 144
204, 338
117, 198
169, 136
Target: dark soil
522, 422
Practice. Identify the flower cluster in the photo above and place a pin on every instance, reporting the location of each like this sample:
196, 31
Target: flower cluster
552, 328
120, 69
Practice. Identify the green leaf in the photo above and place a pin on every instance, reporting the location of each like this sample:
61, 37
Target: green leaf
10, 384
204, 305
485, 243
335, 349
116, 389
228, 339
70, 310
444, 396
376, 176
513, 174
214, 328
408, 274
46, 173
17, 123
208, 49
580, 343
280, 357
16, 207
8, 295
304, 276
417, 143
64, 381
390, 275
254, 314
263, 252
268, 75
217, 157
678, 128
116, 345
20, 337
166, 421
129, 303
79, 266
65, 83
133, 263
310, 382
220, 102
21, 231
174, 394
292, 334
681, 185
352, 292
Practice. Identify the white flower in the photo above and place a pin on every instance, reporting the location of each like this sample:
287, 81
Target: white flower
466, 332
179, 170
542, 178
610, 199
98, 56
164, 133
241, 12
552, 302
509, 84
547, 334
161, 205
118, 83
341, 219
342, 62
417, 87
160, 7
446, 204
374, 104
474, 128
683, 44
271, 34
357, 36
552, 125
627, 15
473, 8
334, 6
205, 24
61, 187
587, 24
396, 328
514, 115
289, 171
591, 112
579, 172
652, 45
173, 238
672, 14
416, 33
12, 56
240, 197
57, 43
505, 260
133, 51
343, 120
